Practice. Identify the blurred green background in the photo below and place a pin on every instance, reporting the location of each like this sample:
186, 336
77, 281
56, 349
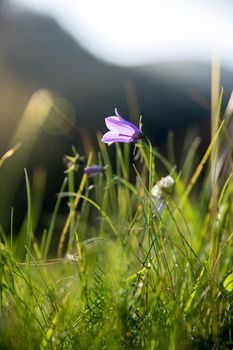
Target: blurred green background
57, 86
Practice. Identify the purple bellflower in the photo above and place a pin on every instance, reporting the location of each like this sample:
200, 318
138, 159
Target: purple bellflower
121, 130
93, 170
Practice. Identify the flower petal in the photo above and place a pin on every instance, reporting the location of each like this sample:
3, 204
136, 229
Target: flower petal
121, 126
111, 137
93, 170
118, 114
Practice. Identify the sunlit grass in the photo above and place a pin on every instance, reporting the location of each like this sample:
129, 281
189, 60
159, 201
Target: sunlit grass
124, 276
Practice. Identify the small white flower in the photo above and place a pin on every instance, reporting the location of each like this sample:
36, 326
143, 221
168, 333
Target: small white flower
166, 184
156, 191
161, 188
70, 258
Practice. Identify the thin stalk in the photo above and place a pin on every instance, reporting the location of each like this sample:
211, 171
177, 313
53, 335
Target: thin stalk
76, 202
71, 189
49, 235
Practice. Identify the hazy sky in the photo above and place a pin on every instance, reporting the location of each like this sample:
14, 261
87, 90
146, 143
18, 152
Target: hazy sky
130, 32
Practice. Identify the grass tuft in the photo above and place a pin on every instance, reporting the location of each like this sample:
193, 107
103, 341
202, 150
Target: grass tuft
127, 274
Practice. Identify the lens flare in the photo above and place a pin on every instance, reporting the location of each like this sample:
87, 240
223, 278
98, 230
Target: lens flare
55, 114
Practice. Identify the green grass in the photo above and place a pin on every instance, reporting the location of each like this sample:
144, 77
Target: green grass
117, 276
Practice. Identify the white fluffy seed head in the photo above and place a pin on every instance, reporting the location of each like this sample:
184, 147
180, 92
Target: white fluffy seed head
166, 183
159, 191
156, 191
70, 258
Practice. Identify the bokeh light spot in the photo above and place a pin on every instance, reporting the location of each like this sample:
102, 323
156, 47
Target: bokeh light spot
55, 114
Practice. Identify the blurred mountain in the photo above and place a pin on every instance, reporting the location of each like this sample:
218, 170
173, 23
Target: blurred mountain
35, 53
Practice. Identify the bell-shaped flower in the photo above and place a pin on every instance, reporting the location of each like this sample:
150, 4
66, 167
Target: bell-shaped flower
121, 130
93, 170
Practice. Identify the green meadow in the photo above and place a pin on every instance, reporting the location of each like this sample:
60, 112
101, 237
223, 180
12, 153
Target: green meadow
129, 265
